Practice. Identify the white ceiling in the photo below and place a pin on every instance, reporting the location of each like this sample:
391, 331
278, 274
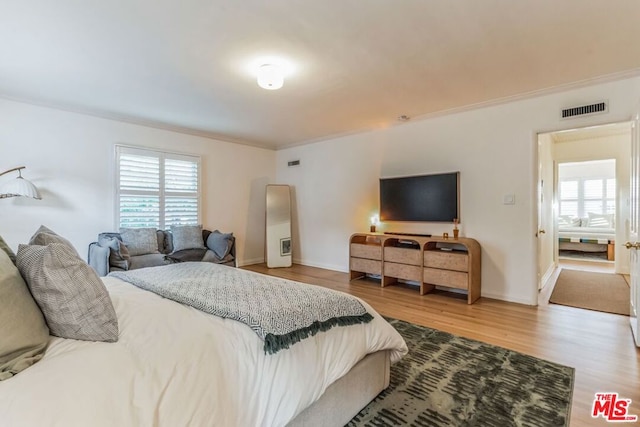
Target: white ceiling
355, 64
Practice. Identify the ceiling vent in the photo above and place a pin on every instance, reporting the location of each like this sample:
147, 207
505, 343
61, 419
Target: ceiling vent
585, 110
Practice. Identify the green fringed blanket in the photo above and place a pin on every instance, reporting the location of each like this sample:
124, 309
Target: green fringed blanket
281, 312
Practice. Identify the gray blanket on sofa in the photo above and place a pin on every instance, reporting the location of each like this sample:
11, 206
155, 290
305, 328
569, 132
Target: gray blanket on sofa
281, 312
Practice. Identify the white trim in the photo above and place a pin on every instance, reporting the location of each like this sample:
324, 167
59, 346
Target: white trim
251, 261
332, 267
547, 275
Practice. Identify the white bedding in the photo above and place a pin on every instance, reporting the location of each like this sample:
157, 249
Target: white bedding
176, 366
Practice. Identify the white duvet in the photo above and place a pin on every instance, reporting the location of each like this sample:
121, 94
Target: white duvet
176, 366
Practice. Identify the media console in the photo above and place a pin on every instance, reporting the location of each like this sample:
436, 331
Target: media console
429, 260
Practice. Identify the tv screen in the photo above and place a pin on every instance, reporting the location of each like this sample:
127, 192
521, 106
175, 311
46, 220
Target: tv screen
428, 198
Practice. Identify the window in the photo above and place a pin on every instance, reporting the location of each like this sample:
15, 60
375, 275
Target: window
156, 189
579, 196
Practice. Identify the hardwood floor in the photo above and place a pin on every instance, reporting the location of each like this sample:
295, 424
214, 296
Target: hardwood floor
598, 345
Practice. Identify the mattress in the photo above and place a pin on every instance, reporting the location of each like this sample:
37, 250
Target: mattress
175, 366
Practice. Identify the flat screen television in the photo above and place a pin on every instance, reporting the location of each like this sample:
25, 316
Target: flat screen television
424, 198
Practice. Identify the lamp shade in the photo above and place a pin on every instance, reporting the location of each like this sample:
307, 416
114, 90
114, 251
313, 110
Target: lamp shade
19, 187
270, 77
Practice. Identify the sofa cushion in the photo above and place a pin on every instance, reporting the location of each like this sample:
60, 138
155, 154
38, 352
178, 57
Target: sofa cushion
187, 255
140, 241
6, 249
187, 237
600, 220
148, 260
220, 243
74, 301
22, 327
568, 221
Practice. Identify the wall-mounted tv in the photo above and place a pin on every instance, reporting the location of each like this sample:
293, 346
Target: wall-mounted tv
425, 198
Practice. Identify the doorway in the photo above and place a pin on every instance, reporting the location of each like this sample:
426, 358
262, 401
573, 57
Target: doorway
576, 167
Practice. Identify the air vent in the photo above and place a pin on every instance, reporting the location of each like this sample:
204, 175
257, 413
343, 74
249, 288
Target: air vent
293, 163
583, 110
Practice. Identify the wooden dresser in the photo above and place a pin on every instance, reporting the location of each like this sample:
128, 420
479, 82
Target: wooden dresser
430, 261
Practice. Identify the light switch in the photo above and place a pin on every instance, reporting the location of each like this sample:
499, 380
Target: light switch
509, 199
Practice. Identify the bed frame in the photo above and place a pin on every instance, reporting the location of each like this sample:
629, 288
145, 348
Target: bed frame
347, 396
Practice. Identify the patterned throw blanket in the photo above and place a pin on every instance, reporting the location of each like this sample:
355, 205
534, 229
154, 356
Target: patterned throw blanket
280, 311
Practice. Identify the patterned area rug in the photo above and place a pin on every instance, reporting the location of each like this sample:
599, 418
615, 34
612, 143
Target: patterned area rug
447, 380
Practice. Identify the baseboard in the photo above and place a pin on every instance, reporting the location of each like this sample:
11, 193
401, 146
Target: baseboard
332, 267
547, 275
508, 299
242, 263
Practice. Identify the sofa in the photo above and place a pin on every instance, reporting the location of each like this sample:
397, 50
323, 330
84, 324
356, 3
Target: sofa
595, 233
134, 248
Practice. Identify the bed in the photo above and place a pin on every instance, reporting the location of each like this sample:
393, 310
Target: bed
174, 365
595, 233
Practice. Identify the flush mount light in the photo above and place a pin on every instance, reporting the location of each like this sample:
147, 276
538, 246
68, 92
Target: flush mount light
270, 77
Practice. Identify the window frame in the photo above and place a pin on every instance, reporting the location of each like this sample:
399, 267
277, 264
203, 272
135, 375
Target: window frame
581, 213
162, 193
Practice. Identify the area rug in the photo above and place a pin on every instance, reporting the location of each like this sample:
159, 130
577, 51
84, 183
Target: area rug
593, 291
447, 380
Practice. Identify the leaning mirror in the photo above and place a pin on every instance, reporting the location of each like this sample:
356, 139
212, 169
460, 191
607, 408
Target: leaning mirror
278, 226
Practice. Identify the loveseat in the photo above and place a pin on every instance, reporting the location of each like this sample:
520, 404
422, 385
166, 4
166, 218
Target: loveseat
134, 248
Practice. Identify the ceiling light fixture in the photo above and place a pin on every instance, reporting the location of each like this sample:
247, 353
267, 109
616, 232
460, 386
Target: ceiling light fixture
270, 77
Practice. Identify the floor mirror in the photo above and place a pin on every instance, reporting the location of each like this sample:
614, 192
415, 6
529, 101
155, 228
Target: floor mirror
278, 226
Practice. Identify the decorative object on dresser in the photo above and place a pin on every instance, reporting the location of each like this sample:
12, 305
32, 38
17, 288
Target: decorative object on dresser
19, 186
430, 261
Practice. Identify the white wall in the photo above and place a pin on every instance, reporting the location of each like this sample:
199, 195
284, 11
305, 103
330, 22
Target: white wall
495, 150
70, 158
616, 147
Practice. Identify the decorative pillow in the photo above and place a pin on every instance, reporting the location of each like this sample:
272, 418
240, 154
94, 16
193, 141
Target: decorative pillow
22, 328
187, 237
220, 243
6, 249
44, 236
140, 241
118, 251
72, 298
568, 221
600, 220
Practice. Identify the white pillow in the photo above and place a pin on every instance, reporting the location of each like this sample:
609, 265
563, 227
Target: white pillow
568, 221
600, 220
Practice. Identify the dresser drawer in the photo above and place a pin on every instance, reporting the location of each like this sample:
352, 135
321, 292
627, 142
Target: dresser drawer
448, 278
402, 271
366, 266
366, 251
447, 260
402, 255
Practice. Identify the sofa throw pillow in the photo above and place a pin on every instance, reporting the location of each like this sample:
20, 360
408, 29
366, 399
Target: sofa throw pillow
118, 252
220, 243
74, 301
187, 237
140, 241
600, 220
568, 221
24, 334
45, 236
6, 249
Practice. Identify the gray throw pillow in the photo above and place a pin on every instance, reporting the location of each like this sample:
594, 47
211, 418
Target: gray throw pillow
118, 252
23, 332
4, 247
74, 301
220, 243
187, 237
44, 236
140, 241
